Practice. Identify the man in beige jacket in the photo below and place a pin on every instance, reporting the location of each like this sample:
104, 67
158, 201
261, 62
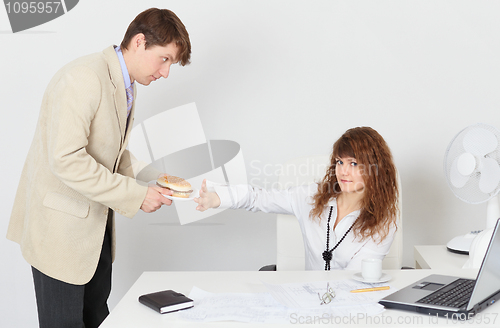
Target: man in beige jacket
78, 172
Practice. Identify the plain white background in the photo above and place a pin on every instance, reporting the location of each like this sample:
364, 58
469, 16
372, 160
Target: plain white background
283, 79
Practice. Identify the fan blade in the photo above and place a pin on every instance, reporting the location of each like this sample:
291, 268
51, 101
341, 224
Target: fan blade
457, 180
490, 175
466, 164
479, 141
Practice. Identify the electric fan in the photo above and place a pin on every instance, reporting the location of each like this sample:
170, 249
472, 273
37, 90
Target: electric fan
472, 169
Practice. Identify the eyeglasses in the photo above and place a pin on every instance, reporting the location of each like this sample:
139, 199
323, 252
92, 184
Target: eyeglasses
328, 296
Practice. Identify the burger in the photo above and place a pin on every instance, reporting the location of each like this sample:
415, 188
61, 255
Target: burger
180, 187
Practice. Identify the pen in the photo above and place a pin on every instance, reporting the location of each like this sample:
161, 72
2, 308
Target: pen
370, 289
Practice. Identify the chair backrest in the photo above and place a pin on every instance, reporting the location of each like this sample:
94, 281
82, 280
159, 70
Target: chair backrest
290, 251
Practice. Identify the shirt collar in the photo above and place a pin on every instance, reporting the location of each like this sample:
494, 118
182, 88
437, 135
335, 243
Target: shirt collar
126, 76
333, 202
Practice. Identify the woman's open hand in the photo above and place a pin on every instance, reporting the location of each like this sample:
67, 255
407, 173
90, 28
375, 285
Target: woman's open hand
207, 198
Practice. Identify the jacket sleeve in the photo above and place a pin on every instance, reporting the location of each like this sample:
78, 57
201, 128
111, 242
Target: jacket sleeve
73, 104
132, 167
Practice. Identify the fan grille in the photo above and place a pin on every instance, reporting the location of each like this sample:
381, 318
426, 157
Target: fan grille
470, 192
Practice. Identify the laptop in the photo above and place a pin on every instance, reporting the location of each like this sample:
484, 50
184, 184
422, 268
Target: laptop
453, 297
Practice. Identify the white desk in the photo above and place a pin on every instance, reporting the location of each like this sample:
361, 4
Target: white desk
130, 313
437, 257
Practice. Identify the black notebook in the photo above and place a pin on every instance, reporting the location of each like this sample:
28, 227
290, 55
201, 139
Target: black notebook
166, 301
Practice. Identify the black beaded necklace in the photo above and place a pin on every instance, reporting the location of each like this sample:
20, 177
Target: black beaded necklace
327, 255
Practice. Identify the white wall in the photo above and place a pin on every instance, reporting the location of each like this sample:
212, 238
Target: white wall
283, 79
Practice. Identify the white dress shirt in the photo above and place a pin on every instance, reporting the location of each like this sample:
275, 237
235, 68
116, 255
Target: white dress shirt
298, 201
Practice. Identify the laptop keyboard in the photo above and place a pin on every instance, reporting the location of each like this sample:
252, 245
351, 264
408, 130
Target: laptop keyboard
456, 294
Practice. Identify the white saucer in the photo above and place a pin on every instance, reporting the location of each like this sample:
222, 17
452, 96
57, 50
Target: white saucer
385, 277
194, 194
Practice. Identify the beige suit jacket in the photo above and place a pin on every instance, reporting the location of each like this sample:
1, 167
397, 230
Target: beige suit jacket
77, 167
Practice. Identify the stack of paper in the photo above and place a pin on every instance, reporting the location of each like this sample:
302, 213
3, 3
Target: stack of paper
286, 303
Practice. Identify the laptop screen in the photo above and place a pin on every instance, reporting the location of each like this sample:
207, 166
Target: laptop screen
488, 279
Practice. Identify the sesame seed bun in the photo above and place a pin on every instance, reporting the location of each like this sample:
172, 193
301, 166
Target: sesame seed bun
179, 186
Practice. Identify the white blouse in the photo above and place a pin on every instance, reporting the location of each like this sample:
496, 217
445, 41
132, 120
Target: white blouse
298, 201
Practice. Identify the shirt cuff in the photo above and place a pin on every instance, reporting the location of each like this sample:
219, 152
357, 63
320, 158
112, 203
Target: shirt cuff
223, 193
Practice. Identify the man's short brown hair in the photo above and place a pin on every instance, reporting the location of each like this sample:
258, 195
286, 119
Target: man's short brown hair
160, 27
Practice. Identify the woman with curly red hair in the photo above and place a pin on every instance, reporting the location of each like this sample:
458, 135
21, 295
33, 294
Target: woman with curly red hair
347, 216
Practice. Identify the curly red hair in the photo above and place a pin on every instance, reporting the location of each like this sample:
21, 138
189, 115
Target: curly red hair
379, 205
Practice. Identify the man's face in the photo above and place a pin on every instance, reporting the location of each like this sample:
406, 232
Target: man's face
150, 64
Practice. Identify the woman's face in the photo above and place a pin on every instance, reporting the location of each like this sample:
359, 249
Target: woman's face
349, 174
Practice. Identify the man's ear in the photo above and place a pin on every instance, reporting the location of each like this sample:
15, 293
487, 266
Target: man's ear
138, 40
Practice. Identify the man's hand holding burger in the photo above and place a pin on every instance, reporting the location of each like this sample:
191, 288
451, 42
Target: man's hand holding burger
155, 199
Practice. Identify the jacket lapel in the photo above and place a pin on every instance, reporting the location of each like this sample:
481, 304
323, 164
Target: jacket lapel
120, 98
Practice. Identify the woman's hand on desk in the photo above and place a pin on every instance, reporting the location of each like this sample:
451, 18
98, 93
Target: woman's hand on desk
207, 198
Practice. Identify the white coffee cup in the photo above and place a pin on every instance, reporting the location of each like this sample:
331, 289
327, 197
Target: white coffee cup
371, 269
